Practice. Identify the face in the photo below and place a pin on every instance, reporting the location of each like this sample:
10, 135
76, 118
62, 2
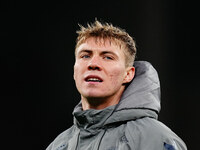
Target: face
100, 69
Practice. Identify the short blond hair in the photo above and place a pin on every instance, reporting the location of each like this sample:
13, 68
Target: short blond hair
108, 31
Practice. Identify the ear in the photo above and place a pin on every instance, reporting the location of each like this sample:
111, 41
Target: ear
130, 73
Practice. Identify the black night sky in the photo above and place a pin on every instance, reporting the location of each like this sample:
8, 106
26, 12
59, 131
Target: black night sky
38, 92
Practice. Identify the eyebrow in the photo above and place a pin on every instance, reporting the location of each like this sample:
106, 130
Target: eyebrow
84, 50
101, 53
108, 52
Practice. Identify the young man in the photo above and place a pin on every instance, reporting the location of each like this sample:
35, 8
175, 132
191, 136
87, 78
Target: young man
120, 99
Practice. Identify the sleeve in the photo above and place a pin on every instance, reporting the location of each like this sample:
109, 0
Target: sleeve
49, 147
175, 144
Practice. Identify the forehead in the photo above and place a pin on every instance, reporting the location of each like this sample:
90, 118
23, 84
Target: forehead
93, 43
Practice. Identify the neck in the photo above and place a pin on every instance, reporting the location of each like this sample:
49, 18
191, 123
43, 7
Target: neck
100, 102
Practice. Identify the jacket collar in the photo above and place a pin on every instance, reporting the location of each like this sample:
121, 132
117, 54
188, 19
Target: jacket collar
91, 119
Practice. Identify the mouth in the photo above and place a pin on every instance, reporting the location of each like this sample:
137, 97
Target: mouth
93, 79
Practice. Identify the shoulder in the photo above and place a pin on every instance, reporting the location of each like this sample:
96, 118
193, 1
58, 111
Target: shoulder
149, 130
62, 138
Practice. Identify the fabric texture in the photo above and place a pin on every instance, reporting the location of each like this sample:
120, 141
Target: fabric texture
130, 125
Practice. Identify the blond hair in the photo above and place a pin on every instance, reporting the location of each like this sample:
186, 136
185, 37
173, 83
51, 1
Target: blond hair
108, 31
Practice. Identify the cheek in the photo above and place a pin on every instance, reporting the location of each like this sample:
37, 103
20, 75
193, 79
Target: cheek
79, 69
117, 75
77, 76
76, 71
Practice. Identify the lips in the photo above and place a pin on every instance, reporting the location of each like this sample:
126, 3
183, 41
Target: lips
93, 78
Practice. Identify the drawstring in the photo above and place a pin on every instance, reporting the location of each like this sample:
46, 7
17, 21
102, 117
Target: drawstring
76, 148
116, 106
101, 139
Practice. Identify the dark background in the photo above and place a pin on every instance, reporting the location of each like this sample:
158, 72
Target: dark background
38, 93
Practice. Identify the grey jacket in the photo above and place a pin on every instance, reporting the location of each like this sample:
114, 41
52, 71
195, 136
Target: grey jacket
130, 125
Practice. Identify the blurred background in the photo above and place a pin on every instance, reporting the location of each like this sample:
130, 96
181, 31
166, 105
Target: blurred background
38, 93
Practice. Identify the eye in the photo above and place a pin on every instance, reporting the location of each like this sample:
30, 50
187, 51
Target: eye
108, 57
85, 56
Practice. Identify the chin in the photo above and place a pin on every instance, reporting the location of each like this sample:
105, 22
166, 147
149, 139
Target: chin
94, 96
92, 93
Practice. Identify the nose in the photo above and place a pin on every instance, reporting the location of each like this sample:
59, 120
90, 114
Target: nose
94, 64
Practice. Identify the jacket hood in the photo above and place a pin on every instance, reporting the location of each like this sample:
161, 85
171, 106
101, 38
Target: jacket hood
141, 98
144, 89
